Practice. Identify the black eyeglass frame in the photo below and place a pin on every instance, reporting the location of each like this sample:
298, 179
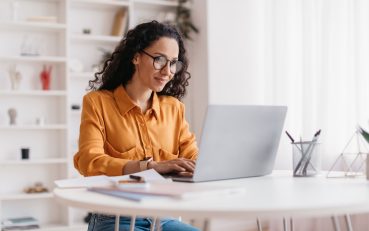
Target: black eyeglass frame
172, 63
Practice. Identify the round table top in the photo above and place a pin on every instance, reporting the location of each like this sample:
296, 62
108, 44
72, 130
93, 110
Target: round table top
275, 195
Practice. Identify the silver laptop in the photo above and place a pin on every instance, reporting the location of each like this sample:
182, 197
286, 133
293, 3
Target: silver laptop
238, 141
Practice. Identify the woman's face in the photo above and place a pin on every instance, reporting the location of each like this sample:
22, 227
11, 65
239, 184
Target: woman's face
149, 76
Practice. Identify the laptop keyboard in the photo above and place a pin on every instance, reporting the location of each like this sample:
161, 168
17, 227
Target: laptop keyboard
174, 175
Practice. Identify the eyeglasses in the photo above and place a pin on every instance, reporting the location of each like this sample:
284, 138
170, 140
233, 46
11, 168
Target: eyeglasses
159, 62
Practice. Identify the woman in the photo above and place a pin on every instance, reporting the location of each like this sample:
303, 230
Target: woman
133, 120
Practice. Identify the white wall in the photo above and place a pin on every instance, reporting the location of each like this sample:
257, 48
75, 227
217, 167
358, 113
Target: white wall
235, 52
228, 60
226, 57
243, 39
197, 98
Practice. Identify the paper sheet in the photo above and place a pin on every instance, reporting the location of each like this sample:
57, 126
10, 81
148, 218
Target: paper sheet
103, 181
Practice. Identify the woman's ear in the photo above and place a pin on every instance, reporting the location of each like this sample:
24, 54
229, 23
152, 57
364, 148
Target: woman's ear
136, 59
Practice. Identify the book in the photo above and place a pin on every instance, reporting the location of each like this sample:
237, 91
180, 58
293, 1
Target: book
20, 223
122, 194
120, 23
105, 181
47, 19
171, 190
27, 227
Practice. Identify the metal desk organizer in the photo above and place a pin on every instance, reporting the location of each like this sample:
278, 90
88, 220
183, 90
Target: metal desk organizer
352, 163
306, 158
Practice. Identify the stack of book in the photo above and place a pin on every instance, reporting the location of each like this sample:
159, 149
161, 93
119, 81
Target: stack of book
147, 185
20, 223
167, 190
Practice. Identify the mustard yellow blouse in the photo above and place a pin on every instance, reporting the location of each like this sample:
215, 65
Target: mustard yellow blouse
114, 131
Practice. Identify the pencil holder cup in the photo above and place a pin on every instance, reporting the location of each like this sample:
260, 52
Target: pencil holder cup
306, 158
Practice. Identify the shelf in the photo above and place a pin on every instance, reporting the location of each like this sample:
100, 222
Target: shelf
84, 75
33, 26
35, 127
45, 59
99, 4
95, 38
35, 161
79, 227
46, 0
25, 196
32, 93
156, 3
60, 228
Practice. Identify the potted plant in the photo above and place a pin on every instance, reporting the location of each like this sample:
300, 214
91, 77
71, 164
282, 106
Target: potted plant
183, 19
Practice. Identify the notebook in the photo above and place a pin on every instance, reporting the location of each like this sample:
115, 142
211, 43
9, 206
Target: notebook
238, 141
169, 190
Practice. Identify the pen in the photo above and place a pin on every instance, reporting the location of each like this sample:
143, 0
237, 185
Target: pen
308, 153
302, 158
135, 177
289, 136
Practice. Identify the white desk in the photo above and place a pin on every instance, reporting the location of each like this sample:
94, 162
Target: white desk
277, 195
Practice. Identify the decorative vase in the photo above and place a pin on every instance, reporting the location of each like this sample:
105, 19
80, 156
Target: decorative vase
45, 77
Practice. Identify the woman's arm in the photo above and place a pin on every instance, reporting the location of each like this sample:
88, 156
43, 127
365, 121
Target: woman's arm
187, 150
162, 167
91, 158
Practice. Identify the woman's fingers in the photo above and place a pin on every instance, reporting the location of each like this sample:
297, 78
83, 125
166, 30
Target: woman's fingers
185, 174
176, 165
185, 163
189, 167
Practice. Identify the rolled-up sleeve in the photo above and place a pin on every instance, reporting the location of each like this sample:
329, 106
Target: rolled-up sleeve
91, 158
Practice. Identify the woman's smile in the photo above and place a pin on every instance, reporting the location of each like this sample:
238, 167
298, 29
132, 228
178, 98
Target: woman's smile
161, 80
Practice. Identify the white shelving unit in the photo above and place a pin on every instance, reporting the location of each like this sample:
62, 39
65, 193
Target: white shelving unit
35, 26
96, 38
43, 59
35, 162
24, 196
33, 93
53, 144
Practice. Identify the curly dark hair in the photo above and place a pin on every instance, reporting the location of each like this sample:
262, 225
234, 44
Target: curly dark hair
118, 69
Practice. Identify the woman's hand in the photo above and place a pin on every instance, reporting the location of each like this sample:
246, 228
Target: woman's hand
180, 166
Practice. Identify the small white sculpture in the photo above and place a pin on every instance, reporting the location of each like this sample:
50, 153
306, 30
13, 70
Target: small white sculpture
15, 77
12, 115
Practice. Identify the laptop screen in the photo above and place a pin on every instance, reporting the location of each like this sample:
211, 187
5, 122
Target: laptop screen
239, 141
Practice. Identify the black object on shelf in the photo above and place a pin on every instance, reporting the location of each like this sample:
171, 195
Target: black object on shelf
76, 107
25, 153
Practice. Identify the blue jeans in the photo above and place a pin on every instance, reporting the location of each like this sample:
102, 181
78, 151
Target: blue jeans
100, 222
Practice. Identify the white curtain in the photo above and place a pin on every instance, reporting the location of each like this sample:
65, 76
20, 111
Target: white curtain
311, 55
317, 63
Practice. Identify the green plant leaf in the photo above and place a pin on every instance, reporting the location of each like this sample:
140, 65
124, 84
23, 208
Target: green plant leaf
364, 133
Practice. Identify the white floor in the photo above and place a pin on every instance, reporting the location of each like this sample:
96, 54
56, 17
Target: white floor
359, 223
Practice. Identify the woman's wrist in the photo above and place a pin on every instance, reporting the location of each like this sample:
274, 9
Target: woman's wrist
151, 165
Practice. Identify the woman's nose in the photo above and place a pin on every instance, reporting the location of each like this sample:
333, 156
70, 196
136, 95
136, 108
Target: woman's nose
166, 69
